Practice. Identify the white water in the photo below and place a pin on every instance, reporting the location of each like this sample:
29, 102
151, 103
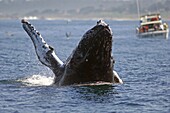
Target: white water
37, 80
41, 80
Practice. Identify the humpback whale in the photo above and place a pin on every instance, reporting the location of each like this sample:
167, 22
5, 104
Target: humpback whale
90, 62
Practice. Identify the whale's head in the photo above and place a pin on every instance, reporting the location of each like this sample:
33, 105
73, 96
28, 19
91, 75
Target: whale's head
93, 56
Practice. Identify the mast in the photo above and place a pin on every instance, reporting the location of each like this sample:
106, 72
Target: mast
137, 3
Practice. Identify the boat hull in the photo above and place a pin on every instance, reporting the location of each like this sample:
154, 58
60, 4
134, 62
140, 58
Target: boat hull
161, 34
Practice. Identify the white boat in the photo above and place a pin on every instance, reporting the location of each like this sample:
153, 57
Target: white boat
151, 25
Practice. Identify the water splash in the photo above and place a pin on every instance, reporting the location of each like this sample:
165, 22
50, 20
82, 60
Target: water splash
99, 83
37, 80
41, 80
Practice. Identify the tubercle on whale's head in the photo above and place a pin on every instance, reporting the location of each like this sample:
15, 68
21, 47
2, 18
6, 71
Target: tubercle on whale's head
102, 23
101, 30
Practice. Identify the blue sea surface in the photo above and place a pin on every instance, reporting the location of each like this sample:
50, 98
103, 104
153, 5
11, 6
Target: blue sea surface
25, 84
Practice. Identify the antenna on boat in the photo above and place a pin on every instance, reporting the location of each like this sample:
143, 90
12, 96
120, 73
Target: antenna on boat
137, 3
157, 8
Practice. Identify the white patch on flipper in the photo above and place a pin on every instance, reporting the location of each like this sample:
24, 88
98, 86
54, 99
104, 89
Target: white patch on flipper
116, 76
57, 59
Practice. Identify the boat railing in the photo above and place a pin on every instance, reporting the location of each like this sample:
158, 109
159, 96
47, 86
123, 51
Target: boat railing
152, 28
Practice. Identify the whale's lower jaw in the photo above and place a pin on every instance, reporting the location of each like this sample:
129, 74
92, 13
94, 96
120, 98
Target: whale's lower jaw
81, 78
72, 78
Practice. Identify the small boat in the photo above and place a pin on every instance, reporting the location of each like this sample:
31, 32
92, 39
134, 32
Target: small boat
151, 25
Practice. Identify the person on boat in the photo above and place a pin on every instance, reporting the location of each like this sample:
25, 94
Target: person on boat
161, 27
140, 30
165, 25
145, 28
156, 27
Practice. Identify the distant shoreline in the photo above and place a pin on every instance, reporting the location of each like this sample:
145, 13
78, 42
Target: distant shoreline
65, 18
79, 17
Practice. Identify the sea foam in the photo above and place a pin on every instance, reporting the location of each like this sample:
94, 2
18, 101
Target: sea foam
37, 80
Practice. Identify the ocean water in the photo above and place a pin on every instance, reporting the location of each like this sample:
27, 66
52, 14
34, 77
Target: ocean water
25, 84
